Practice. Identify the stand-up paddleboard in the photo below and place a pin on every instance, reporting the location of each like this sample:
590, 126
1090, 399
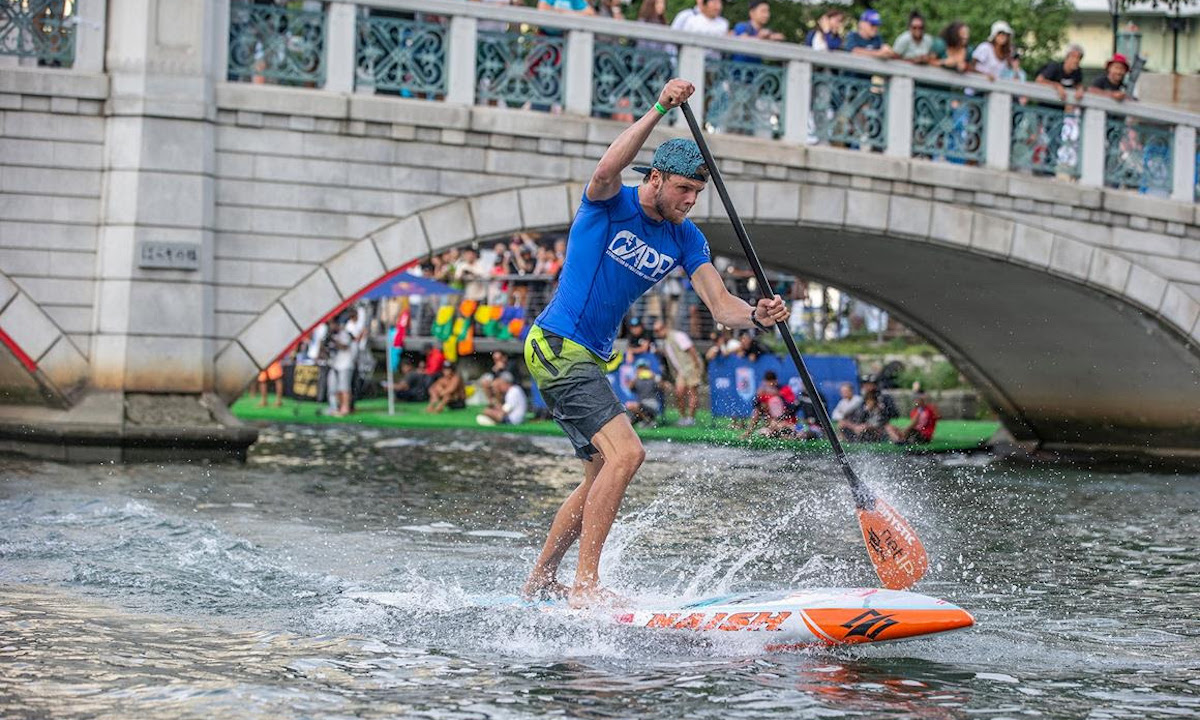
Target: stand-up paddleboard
822, 616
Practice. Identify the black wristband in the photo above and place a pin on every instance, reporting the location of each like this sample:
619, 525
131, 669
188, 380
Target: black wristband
757, 324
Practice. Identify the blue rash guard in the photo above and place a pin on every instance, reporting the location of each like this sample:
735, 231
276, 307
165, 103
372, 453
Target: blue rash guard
615, 253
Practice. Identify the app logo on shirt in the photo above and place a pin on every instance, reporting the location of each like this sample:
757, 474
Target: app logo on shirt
634, 254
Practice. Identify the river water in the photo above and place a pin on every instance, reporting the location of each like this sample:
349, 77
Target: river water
203, 591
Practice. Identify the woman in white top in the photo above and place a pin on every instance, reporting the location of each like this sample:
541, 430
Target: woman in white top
991, 57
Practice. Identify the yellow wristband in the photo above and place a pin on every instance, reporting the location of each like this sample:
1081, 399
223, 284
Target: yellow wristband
659, 107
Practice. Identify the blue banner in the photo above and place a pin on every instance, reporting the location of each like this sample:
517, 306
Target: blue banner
733, 380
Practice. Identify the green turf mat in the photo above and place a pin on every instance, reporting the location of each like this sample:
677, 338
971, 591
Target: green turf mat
951, 434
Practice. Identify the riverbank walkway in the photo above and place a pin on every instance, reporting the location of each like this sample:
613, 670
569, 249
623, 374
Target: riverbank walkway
951, 435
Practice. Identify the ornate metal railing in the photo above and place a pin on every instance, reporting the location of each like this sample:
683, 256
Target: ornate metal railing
744, 96
276, 45
404, 56
848, 109
627, 78
949, 125
42, 29
1046, 139
520, 68
1139, 155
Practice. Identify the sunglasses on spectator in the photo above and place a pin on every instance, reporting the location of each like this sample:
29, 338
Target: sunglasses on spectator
917, 26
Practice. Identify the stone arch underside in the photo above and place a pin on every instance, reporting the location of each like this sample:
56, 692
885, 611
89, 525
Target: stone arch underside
1075, 345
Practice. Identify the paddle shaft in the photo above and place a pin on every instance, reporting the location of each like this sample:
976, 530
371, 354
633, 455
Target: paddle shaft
863, 497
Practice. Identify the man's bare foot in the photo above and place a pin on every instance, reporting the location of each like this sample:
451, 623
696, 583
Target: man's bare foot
594, 596
537, 589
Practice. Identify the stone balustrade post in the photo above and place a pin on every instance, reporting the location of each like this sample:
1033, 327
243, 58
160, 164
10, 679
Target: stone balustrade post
1184, 189
340, 50
691, 68
998, 144
460, 70
220, 40
899, 116
90, 19
578, 72
797, 102
1093, 148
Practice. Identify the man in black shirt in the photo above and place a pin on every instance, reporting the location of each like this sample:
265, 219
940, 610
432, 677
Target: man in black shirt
1112, 82
1066, 74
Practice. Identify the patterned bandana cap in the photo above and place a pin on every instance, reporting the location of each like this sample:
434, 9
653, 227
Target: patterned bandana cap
678, 156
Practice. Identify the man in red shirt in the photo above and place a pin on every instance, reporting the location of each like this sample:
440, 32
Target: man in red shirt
434, 360
924, 419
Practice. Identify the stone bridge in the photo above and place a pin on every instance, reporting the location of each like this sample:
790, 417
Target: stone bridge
165, 229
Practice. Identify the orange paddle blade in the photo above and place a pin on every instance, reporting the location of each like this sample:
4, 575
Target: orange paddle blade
899, 557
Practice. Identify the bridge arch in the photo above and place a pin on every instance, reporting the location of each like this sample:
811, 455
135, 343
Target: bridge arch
54, 368
960, 275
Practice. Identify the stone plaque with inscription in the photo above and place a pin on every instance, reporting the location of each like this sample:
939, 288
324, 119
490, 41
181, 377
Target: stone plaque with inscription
168, 256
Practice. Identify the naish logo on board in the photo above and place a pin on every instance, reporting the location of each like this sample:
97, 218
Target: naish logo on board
869, 624
634, 254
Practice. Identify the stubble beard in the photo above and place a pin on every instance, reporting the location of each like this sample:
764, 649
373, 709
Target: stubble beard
662, 212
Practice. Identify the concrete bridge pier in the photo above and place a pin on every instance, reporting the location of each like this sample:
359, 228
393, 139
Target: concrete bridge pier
149, 373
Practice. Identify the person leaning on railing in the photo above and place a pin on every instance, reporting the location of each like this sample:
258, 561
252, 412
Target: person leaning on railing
915, 45
866, 41
827, 35
952, 51
1064, 75
991, 57
1112, 82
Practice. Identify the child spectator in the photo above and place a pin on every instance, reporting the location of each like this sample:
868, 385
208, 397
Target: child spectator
645, 406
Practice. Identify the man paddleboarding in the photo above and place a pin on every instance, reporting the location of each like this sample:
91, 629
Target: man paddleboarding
623, 241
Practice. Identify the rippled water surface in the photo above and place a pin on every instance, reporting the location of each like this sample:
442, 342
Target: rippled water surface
243, 591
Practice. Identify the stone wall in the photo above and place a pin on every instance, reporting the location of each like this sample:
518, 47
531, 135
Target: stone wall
52, 131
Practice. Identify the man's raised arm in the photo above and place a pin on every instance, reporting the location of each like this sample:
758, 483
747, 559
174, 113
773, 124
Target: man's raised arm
606, 180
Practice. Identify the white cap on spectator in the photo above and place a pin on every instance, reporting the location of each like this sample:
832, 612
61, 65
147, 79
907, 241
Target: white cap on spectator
1000, 27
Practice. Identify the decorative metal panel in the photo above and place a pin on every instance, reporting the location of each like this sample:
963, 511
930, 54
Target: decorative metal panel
848, 109
276, 44
42, 29
627, 79
1139, 155
520, 68
404, 56
1046, 139
949, 125
744, 97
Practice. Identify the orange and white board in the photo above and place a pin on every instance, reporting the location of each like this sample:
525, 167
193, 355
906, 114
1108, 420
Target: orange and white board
823, 616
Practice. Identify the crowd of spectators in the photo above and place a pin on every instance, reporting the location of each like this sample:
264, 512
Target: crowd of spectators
998, 57
505, 273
